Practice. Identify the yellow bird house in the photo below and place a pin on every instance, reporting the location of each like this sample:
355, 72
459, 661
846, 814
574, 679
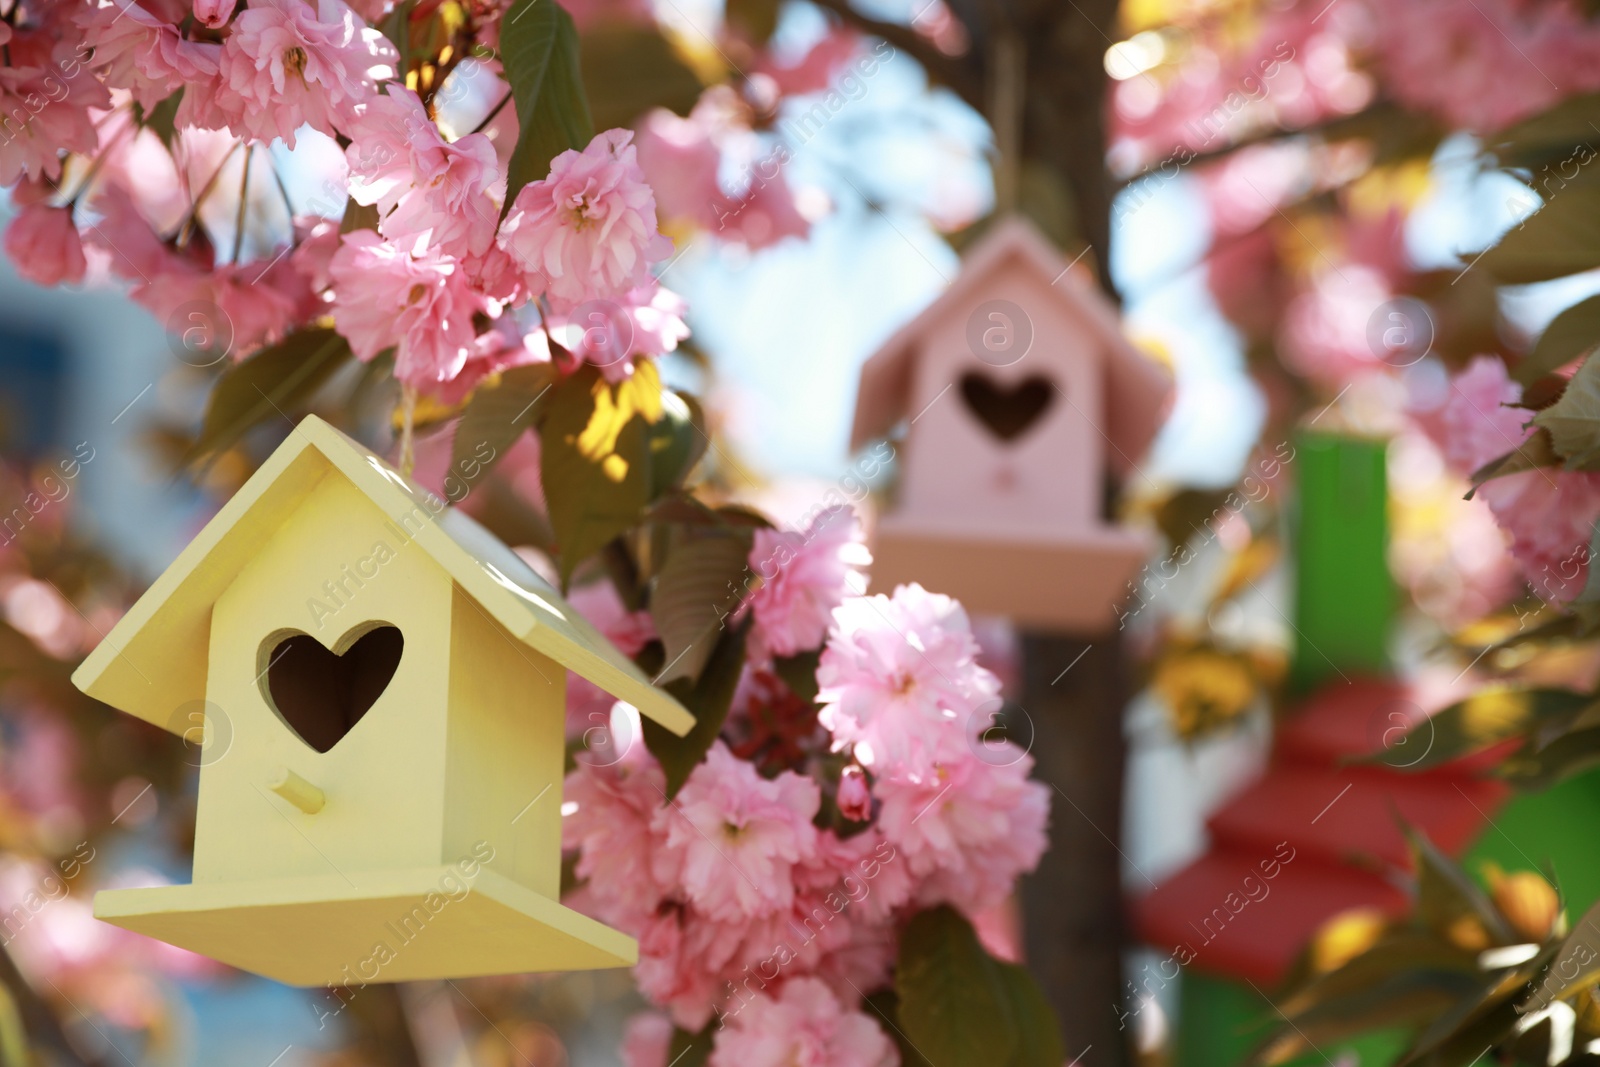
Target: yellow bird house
382, 686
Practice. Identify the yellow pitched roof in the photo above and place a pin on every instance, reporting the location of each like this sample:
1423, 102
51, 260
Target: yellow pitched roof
153, 662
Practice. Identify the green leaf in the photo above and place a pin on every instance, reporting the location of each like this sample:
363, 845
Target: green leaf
627, 70
1567, 755
1551, 136
595, 459
497, 415
755, 18
397, 27
1574, 420
1561, 238
886, 1006
699, 587
162, 119
1479, 1017
676, 442
799, 673
955, 1004
13, 1034
509, 516
1039, 1034
539, 52
1446, 895
1575, 965
1569, 335
1493, 714
1536, 452
1402, 1002
1591, 584
709, 700
275, 383
689, 1050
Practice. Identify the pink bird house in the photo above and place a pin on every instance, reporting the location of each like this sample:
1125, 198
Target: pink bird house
1019, 395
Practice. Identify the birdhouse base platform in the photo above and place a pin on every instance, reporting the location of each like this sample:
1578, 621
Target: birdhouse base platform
371, 926
1068, 583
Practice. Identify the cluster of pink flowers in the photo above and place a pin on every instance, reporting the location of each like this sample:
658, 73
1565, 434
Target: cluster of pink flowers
1440, 56
440, 276
803, 576
1309, 60
754, 911
1549, 513
206, 234
169, 111
1300, 66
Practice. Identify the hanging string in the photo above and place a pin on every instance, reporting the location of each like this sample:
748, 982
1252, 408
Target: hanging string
1007, 89
408, 416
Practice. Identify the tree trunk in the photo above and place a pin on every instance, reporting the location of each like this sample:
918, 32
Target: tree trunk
1072, 905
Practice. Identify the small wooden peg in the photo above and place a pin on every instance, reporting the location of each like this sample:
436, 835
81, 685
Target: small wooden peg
297, 791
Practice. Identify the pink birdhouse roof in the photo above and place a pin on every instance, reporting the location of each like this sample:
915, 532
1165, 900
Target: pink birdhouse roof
1138, 389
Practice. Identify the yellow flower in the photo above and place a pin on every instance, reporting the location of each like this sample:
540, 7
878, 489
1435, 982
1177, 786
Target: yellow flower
1204, 690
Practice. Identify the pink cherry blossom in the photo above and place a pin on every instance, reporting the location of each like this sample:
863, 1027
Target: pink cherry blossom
1324, 334
598, 602
213, 13
867, 869
422, 304
611, 824
1437, 56
257, 309
740, 835
968, 827
657, 314
646, 1040
802, 576
693, 966
765, 214
44, 245
680, 158
855, 795
123, 241
286, 64
1477, 424
589, 706
134, 49
814, 71
589, 229
44, 106
681, 161
803, 1026
899, 678
612, 334
1550, 515
429, 191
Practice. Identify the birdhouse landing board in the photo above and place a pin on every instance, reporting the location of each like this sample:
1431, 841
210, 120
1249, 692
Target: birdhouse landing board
382, 688
1019, 395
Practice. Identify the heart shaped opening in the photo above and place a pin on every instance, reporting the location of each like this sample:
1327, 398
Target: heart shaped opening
323, 694
1006, 413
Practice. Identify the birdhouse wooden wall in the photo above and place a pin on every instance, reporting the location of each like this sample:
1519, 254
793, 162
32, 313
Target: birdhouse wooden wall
385, 692
466, 733
1006, 433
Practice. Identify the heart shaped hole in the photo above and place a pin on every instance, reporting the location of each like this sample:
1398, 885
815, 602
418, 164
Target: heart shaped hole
322, 694
1006, 413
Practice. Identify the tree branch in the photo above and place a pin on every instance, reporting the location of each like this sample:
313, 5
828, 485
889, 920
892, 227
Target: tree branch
38, 1018
1339, 128
950, 71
